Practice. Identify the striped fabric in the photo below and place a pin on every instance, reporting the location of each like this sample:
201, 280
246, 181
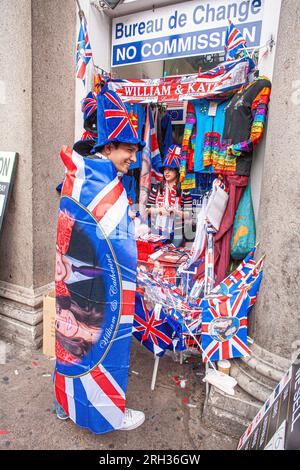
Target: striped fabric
188, 142
259, 113
91, 389
185, 203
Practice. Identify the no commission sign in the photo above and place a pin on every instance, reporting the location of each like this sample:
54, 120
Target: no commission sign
183, 30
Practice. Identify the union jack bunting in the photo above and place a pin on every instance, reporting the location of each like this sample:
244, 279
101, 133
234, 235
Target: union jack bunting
223, 79
232, 282
83, 51
154, 333
224, 327
234, 41
91, 385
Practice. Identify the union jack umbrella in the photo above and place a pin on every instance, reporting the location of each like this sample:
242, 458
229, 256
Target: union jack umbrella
224, 327
91, 386
83, 51
234, 41
172, 159
154, 333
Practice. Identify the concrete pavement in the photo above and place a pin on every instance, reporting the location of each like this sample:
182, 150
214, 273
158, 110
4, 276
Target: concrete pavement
173, 414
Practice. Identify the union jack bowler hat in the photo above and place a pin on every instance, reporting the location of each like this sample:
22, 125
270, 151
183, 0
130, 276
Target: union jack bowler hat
114, 123
173, 157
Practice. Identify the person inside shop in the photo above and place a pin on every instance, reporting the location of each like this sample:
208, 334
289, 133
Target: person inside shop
169, 208
115, 150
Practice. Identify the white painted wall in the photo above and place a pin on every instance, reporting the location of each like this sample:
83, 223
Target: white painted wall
266, 67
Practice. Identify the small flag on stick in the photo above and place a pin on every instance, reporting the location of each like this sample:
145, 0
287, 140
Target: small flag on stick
234, 41
84, 51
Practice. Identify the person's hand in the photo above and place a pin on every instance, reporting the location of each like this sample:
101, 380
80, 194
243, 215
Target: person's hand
132, 214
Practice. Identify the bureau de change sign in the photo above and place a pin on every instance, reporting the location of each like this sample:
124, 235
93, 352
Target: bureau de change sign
8, 162
184, 30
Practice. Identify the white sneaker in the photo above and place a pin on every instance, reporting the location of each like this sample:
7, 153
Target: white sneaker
132, 419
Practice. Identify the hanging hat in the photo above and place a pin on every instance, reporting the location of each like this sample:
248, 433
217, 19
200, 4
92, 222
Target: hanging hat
89, 109
114, 123
85, 146
173, 157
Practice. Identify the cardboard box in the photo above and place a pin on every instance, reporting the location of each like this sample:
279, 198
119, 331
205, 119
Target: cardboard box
49, 324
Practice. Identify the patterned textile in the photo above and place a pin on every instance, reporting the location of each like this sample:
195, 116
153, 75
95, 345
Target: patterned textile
95, 300
173, 157
188, 143
151, 329
234, 41
226, 139
89, 109
113, 122
224, 327
83, 52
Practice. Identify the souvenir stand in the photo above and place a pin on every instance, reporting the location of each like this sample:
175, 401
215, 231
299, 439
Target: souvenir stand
177, 304
185, 297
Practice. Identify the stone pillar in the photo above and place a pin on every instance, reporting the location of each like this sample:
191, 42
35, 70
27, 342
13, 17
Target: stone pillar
37, 76
275, 323
275, 320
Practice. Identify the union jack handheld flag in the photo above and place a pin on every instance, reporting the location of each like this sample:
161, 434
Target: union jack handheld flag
224, 327
83, 52
154, 333
234, 41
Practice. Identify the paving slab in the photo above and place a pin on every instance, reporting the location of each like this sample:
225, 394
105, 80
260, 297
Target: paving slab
173, 414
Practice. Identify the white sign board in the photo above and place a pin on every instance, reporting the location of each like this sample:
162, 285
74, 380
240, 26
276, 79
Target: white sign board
184, 30
7, 172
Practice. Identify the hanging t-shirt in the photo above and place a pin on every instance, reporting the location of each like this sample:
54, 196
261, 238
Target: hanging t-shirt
137, 114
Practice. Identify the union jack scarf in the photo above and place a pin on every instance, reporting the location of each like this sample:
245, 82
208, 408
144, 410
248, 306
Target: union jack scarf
168, 199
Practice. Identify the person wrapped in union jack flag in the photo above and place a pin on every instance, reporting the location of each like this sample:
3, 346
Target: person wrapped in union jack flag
168, 206
90, 387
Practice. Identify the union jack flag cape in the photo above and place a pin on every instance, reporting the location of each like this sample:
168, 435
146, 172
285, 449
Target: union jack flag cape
91, 385
83, 52
234, 41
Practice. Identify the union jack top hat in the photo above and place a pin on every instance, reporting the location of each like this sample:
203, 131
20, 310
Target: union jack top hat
89, 109
114, 123
173, 157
